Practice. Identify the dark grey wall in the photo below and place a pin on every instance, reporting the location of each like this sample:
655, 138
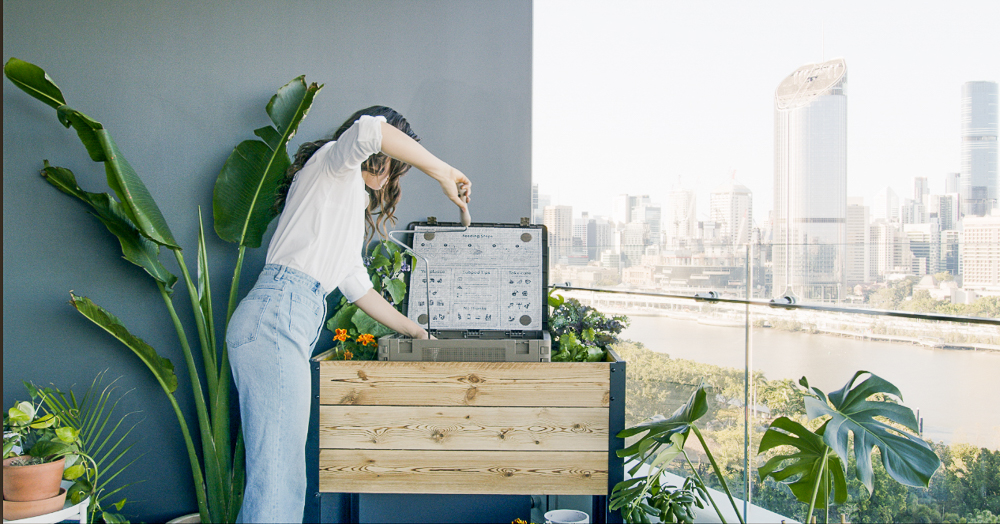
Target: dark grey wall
179, 84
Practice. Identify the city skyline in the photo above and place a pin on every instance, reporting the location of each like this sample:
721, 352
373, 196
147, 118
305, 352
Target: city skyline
676, 95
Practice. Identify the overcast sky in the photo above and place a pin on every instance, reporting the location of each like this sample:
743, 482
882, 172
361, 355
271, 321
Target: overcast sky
639, 97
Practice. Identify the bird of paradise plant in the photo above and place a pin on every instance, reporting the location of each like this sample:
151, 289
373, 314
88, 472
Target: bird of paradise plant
242, 209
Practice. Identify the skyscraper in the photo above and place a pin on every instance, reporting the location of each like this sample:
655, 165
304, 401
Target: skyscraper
978, 183
951, 182
732, 210
810, 181
857, 268
681, 222
559, 222
921, 189
886, 205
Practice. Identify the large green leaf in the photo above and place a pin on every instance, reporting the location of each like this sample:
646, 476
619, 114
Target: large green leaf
34, 81
161, 368
245, 189
906, 457
136, 248
396, 288
342, 318
367, 324
661, 432
138, 203
804, 468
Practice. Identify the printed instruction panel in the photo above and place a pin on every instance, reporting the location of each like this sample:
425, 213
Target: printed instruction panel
482, 278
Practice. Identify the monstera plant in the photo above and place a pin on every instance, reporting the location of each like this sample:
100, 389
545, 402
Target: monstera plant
814, 470
813, 465
242, 208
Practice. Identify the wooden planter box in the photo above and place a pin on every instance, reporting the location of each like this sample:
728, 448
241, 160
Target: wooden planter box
492, 428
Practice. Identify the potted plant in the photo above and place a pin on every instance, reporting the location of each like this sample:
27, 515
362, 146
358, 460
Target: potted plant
104, 433
39, 450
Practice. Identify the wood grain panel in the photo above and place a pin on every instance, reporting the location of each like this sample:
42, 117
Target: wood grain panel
470, 472
463, 428
524, 384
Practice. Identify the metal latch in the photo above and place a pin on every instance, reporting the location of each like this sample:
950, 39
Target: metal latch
432, 221
472, 333
514, 334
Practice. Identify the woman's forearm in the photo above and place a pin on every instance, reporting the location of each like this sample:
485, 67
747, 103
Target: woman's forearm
382, 311
398, 145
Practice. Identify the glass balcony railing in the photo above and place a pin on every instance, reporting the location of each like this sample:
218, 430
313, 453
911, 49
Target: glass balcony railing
750, 350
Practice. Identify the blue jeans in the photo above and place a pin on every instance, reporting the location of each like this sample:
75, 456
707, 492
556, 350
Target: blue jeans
270, 339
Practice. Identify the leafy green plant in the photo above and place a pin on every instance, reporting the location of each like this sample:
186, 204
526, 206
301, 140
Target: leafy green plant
662, 441
355, 332
861, 413
861, 417
242, 207
665, 502
40, 436
103, 435
581, 333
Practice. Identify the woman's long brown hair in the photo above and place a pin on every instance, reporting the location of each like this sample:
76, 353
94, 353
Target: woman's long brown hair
382, 202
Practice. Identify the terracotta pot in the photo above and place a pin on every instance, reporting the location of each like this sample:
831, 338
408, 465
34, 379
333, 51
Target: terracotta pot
13, 510
27, 483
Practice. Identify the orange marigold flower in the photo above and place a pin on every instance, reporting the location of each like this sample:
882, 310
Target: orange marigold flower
366, 338
341, 335
348, 355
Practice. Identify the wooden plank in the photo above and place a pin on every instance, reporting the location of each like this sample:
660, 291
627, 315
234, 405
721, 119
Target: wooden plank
524, 384
463, 428
469, 472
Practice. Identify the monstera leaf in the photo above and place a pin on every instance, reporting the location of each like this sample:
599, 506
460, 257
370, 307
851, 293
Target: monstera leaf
671, 432
906, 457
245, 189
804, 471
136, 248
137, 203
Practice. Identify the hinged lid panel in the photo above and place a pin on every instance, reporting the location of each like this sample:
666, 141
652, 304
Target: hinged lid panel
482, 278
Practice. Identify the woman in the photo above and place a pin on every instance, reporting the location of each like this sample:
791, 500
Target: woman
328, 198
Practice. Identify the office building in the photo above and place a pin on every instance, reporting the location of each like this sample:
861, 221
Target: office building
951, 182
981, 254
885, 205
558, 221
731, 208
945, 209
890, 250
925, 248
858, 251
978, 183
921, 190
634, 238
680, 222
810, 181
652, 215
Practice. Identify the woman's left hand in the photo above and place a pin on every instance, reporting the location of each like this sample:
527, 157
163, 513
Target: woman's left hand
457, 187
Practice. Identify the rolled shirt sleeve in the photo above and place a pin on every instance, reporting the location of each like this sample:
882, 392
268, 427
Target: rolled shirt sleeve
356, 284
362, 140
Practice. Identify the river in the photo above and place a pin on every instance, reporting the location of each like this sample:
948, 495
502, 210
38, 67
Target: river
956, 391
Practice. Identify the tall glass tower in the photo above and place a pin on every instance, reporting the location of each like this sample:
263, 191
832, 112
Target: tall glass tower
978, 182
810, 181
